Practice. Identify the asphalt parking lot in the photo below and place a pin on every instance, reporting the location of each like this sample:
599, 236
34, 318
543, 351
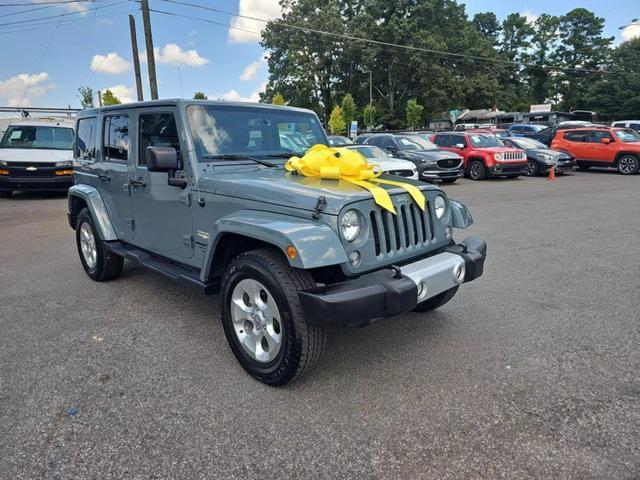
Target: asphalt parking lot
533, 371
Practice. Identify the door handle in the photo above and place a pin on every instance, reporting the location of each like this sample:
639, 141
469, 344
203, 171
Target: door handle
137, 183
104, 178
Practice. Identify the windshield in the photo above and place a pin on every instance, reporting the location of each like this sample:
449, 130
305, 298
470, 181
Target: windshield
414, 142
628, 135
46, 138
371, 151
527, 143
255, 131
485, 141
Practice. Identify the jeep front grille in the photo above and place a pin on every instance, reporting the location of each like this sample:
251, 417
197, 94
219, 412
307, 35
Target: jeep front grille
409, 228
513, 157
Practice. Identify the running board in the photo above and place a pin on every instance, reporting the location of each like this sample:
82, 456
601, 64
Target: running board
173, 270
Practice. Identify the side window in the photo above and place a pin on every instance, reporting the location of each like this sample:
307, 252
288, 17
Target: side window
377, 141
389, 143
576, 136
635, 126
456, 139
157, 130
516, 128
116, 138
85, 148
440, 140
596, 136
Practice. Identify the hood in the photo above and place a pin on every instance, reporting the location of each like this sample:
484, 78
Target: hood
547, 151
276, 186
500, 149
34, 155
431, 155
387, 163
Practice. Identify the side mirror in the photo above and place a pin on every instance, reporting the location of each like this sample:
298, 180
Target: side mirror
165, 159
605, 140
162, 159
460, 146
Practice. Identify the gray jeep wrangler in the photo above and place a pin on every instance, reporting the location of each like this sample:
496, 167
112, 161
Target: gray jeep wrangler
197, 191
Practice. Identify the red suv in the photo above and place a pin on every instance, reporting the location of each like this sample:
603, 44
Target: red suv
484, 154
608, 147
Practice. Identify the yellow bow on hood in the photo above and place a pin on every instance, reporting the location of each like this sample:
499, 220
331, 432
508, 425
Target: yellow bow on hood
349, 165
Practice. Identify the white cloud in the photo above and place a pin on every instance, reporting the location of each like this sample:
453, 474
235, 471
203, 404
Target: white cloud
631, 32
530, 15
265, 9
234, 96
79, 6
171, 54
250, 71
36, 85
110, 63
122, 92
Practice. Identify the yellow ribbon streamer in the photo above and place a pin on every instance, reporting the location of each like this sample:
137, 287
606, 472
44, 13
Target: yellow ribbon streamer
349, 165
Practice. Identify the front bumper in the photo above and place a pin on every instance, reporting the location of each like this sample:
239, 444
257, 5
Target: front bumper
53, 182
390, 292
562, 167
509, 169
434, 174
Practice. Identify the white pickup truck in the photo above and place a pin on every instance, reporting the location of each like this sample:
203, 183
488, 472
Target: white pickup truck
36, 154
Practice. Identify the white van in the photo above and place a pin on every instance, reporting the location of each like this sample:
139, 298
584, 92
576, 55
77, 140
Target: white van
633, 124
36, 154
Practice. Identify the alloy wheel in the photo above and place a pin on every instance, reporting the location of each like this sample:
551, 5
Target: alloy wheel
88, 245
628, 165
256, 320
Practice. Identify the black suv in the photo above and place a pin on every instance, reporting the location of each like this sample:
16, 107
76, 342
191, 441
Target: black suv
433, 163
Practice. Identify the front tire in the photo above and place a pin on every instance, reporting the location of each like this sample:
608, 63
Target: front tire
99, 263
476, 170
532, 169
628, 165
583, 166
437, 301
263, 318
6, 193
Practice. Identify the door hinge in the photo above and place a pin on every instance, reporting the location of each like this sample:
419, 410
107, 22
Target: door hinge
186, 199
131, 223
187, 240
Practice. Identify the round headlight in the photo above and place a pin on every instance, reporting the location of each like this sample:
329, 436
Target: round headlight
350, 225
498, 156
440, 206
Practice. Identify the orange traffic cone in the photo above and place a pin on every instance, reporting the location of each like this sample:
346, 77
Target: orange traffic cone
552, 174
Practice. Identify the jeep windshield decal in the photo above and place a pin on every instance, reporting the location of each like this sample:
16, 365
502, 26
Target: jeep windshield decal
222, 132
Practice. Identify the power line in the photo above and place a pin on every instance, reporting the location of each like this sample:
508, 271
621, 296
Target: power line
60, 16
381, 43
61, 2
44, 25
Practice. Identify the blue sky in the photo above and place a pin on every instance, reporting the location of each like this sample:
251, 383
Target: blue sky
91, 46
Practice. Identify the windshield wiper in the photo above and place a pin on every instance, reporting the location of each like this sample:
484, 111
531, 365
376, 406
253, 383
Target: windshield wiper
238, 156
283, 154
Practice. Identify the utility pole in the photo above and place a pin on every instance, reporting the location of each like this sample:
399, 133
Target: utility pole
151, 58
136, 58
370, 87
99, 98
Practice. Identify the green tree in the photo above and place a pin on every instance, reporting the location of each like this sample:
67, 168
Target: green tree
369, 115
336, 121
543, 44
414, 114
583, 49
278, 99
200, 96
348, 109
86, 94
488, 25
108, 98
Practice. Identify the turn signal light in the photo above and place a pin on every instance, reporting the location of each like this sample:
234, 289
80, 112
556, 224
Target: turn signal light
292, 252
4, 172
64, 172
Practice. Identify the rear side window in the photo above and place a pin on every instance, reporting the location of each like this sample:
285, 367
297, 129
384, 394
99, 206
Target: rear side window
157, 130
116, 138
576, 136
635, 126
85, 148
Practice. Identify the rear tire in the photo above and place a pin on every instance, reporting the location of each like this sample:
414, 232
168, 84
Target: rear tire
258, 285
437, 301
628, 165
99, 263
6, 193
476, 170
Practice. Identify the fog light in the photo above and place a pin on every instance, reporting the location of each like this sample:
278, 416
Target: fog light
4, 172
458, 273
354, 258
422, 290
